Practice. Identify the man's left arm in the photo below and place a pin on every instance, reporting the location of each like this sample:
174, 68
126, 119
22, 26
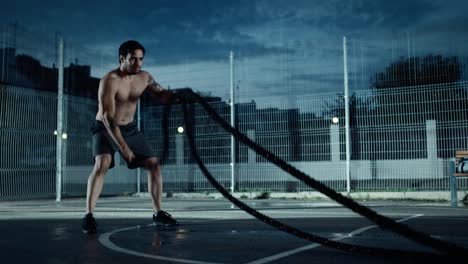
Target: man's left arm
157, 90
154, 87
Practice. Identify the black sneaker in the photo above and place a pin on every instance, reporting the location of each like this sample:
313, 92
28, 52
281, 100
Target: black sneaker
165, 219
88, 224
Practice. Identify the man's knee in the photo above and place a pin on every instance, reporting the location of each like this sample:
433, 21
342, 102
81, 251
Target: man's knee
102, 163
152, 164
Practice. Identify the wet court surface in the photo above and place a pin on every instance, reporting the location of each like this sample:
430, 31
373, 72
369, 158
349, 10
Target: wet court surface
211, 231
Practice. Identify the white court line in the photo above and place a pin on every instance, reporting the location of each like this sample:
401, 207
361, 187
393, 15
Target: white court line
316, 245
105, 240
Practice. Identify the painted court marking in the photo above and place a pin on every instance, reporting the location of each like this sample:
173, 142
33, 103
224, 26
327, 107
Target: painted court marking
316, 245
104, 239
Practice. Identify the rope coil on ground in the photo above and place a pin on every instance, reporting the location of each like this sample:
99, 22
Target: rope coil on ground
450, 249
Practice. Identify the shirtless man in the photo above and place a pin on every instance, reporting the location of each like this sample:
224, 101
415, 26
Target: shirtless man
115, 130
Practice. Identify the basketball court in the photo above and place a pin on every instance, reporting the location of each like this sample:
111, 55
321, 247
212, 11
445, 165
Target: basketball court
213, 231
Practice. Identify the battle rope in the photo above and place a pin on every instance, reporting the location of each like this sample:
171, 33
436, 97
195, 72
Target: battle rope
165, 127
289, 229
381, 221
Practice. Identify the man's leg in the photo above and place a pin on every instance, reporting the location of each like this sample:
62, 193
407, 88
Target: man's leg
96, 181
154, 182
155, 187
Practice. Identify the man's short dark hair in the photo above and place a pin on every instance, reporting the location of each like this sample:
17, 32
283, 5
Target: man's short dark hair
129, 47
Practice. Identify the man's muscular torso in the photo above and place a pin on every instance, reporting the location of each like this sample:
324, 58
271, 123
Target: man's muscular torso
127, 89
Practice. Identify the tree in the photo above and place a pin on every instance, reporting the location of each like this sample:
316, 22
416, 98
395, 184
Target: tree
411, 91
416, 89
419, 71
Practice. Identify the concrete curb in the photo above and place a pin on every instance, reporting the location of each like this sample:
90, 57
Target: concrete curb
436, 196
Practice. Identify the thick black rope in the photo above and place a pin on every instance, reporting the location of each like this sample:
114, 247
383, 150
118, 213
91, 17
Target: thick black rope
381, 221
292, 230
165, 127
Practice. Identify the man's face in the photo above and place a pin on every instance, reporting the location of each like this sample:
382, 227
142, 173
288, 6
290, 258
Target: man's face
133, 62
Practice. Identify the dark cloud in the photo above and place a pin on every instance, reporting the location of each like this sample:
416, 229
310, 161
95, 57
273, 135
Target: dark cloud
319, 77
188, 31
450, 26
182, 30
200, 32
176, 31
363, 17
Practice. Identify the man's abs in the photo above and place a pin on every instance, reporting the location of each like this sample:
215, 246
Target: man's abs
124, 113
121, 120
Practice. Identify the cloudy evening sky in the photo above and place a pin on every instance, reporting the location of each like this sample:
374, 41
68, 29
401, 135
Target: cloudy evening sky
281, 47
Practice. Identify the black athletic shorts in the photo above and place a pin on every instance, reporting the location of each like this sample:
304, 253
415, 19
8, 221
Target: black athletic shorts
103, 143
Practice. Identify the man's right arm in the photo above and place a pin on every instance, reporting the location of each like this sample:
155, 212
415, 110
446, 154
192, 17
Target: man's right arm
107, 91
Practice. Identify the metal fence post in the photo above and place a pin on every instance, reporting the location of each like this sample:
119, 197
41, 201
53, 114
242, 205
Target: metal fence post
453, 184
346, 99
233, 157
58, 172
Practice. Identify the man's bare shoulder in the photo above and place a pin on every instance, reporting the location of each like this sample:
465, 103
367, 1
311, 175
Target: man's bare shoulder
144, 75
111, 76
109, 83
